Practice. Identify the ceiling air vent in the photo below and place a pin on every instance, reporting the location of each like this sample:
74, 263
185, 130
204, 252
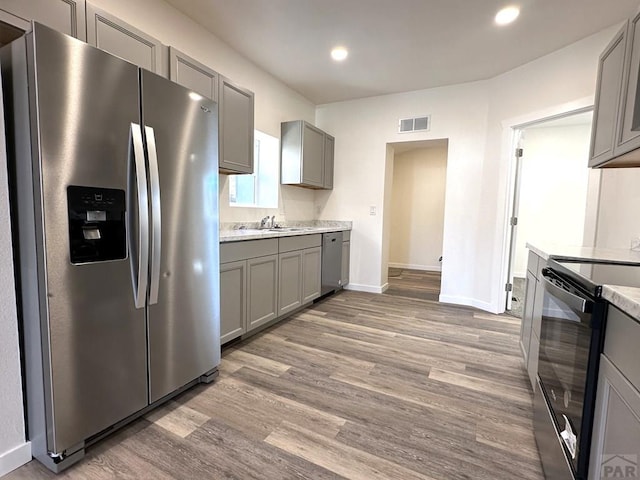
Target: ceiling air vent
417, 124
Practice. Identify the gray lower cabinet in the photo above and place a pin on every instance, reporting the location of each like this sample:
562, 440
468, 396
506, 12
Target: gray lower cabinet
111, 34
532, 316
262, 290
66, 16
307, 155
290, 281
236, 117
311, 274
615, 445
346, 258
233, 300
527, 315
300, 275
190, 73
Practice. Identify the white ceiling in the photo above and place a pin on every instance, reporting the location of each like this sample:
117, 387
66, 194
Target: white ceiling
396, 45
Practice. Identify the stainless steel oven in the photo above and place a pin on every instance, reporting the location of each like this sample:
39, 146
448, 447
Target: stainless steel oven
571, 340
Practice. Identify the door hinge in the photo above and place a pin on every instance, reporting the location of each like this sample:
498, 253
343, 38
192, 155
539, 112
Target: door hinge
519, 152
508, 287
513, 221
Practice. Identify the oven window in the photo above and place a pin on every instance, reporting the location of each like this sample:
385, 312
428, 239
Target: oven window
565, 337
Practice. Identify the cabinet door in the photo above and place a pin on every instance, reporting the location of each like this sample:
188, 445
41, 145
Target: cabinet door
312, 155
346, 252
290, 281
626, 139
527, 316
609, 86
262, 290
329, 145
311, 274
233, 300
235, 110
192, 74
615, 445
112, 35
66, 16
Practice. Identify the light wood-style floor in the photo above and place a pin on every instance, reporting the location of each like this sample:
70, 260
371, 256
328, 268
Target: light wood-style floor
359, 386
420, 284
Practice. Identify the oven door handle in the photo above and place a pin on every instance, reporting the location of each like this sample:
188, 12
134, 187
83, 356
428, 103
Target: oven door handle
575, 302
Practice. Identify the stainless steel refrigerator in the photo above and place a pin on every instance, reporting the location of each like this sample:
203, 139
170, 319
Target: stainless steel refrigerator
114, 198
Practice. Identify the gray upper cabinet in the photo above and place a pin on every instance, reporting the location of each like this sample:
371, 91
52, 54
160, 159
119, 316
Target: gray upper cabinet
609, 86
329, 147
111, 34
626, 139
614, 143
192, 74
236, 111
306, 155
66, 16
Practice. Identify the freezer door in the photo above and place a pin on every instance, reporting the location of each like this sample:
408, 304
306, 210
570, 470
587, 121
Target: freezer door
181, 130
93, 336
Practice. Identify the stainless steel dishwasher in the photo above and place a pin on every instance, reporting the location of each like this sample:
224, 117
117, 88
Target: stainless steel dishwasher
331, 262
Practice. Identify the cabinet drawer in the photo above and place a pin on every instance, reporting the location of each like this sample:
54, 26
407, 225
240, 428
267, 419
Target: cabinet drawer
234, 251
621, 342
346, 235
300, 242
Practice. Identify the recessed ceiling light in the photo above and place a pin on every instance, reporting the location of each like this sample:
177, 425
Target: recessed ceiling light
507, 15
339, 54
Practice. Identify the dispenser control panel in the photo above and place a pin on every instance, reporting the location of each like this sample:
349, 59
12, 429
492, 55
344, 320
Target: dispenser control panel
97, 224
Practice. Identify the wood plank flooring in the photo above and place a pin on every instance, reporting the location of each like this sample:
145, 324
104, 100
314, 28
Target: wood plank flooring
404, 282
359, 386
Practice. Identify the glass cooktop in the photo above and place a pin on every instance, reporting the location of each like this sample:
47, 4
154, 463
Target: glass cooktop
592, 274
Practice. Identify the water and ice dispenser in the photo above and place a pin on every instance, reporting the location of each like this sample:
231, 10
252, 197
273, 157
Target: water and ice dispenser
97, 224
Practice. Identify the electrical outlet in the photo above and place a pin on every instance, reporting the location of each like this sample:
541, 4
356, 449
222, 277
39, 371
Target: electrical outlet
372, 210
635, 243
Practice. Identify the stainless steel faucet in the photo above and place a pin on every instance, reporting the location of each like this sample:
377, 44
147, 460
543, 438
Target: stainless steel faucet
273, 221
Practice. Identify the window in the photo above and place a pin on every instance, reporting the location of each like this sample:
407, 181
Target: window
260, 189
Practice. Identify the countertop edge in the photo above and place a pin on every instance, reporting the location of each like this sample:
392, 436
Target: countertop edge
243, 235
626, 299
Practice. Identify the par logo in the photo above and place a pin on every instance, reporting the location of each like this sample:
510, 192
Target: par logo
620, 466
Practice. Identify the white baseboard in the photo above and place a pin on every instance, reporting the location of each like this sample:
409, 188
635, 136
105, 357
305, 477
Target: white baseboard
415, 266
14, 458
367, 288
469, 302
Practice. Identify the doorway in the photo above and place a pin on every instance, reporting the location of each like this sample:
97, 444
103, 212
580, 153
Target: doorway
551, 193
416, 206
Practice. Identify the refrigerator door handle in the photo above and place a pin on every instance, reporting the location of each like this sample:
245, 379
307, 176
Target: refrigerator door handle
139, 248
156, 218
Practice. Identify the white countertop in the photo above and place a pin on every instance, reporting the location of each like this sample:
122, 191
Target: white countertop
290, 230
626, 299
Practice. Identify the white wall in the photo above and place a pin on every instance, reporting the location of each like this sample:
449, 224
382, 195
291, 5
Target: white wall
417, 208
619, 212
363, 128
475, 118
274, 101
554, 185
